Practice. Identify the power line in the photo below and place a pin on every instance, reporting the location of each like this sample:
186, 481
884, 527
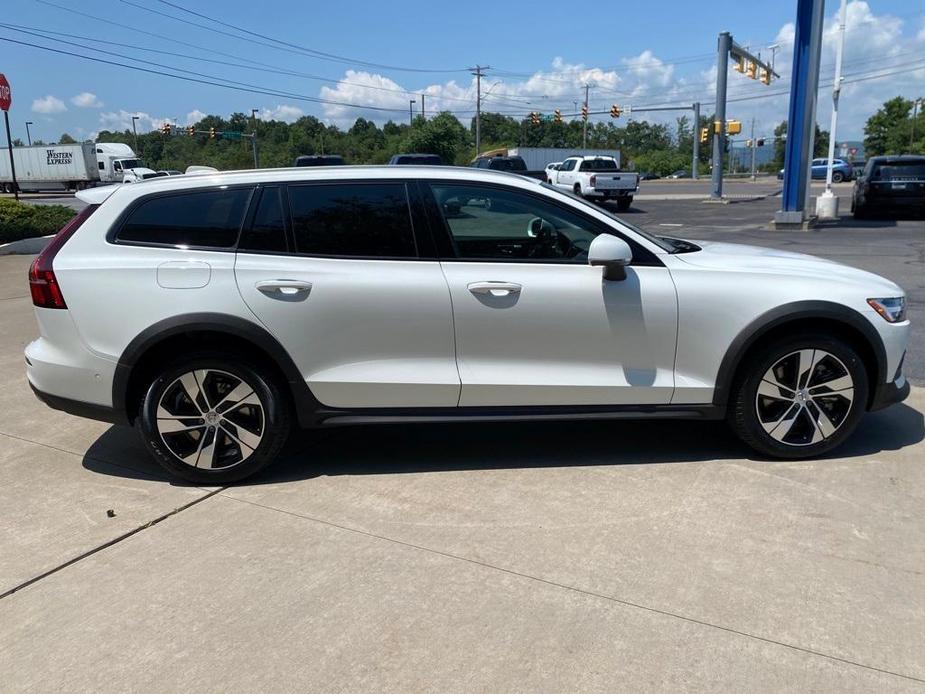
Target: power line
310, 51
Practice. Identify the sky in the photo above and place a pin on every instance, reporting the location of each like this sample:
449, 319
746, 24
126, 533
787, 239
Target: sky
340, 61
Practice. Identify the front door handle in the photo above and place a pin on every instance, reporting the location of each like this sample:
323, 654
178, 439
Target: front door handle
283, 288
495, 288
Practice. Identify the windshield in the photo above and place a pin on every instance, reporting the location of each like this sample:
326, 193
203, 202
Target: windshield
132, 163
598, 165
657, 241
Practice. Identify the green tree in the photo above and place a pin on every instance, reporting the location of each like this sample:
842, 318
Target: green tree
889, 129
66, 139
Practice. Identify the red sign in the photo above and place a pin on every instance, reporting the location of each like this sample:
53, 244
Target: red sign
6, 95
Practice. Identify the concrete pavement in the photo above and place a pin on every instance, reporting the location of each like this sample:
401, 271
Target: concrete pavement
633, 556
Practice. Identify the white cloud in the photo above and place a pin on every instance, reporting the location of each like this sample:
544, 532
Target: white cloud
122, 120
195, 116
283, 112
875, 44
48, 104
86, 100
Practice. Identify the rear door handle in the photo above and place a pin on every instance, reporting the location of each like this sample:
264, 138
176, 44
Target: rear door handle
283, 288
495, 288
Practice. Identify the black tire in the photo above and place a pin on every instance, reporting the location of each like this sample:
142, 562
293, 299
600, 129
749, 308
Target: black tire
623, 204
577, 190
837, 177
272, 424
861, 212
744, 414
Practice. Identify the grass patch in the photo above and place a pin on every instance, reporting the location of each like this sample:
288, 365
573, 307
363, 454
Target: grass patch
21, 221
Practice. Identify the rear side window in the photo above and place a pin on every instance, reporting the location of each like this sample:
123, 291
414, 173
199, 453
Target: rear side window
207, 219
353, 219
267, 230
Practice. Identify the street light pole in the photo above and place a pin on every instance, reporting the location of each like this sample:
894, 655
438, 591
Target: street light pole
134, 118
254, 138
411, 103
29, 135
827, 203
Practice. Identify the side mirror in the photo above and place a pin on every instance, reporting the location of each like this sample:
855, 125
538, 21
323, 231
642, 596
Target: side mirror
611, 253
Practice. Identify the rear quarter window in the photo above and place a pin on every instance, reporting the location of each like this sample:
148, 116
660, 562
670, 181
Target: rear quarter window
210, 219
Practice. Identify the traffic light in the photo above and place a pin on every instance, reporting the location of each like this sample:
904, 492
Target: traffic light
558, 115
759, 142
190, 130
734, 127
212, 133
750, 71
165, 128
615, 111
584, 112
740, 63
704, 135
766, 75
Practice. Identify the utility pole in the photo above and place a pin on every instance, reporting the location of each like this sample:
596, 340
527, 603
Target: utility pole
478, 71
754, 148
134, 118
915, 105
254, 138
411, 103
584, 129
719, 126
695, 164
827, 203
423, 113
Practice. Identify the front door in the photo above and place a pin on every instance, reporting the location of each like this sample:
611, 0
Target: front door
367, 321
535, 324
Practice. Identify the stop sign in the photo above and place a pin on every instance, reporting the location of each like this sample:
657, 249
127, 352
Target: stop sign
6, 96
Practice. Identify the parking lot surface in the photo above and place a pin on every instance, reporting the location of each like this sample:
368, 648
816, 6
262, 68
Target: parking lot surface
593, 556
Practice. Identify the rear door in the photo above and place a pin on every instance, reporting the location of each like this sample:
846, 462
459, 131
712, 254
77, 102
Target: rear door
337, 272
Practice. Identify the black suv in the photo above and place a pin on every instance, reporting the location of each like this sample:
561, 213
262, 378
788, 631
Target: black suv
319, 160
890, 183
515, 164
416, 159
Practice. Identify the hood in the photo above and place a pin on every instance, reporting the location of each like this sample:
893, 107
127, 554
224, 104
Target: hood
140, 170
756, 259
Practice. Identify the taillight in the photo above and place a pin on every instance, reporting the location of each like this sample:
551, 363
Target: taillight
46, 292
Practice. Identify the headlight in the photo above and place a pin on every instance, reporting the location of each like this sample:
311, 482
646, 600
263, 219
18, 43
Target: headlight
893, 310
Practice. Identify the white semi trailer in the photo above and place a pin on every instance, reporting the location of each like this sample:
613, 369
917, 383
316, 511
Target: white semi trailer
71, 167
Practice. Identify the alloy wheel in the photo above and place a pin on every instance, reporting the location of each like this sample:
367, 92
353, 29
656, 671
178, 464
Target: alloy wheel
210, 419
805, 397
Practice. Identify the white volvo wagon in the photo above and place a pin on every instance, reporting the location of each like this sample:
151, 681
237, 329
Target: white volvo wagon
216, 312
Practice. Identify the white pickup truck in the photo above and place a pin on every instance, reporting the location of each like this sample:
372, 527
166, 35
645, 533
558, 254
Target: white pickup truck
596, 178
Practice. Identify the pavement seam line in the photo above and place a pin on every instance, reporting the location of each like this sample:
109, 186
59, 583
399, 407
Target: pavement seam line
108, 543
582, 591
159, 478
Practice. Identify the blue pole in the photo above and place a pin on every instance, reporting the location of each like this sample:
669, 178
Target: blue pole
801, 116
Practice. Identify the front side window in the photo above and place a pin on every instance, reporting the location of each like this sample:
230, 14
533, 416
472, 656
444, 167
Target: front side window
209, 219
352, 219
504, 224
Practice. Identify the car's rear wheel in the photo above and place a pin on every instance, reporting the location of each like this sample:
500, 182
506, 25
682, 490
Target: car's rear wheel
799, 397
837, 177
214, 419
623, 204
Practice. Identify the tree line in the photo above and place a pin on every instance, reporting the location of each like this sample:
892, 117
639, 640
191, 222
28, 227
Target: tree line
645, 146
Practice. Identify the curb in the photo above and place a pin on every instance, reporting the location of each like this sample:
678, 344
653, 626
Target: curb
31, 246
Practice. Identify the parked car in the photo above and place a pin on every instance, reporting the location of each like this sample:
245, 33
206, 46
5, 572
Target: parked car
841, 170
251, 302
319, 160
857, 167
416, 159
890, 184
680, 173
550, 170
169, 172
598, 178
513, 164
648, 176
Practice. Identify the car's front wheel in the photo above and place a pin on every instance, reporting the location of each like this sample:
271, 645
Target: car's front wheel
837, 177
799, 397
214, 419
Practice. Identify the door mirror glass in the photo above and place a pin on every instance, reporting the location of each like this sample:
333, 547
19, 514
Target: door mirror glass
611, 253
